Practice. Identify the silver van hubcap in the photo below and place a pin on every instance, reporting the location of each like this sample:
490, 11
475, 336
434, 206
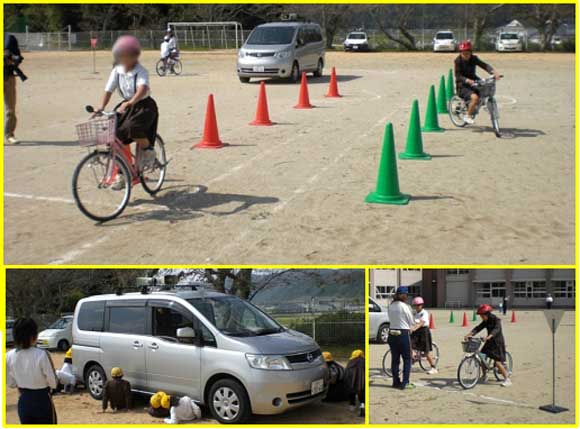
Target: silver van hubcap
95, 383
384, 335
226, 403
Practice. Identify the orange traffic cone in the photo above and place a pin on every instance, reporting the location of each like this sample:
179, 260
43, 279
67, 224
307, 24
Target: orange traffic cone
211, 137
431, 322
303, 98
333, 87
262, 115
513, 316
464, 324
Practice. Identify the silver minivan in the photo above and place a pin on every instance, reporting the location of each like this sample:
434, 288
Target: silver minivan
220, 350
282, 49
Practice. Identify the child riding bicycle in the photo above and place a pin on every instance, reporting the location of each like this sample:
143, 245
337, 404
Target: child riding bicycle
421, 334
138, 114
494, 346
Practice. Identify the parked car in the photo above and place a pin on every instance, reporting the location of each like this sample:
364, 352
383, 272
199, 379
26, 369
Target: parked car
378, 322
444, 41
509, 42
283, 50
218, 349
57, 336
9, 337
356, 41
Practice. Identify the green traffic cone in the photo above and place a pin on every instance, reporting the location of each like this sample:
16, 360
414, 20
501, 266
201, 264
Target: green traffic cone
442, 97
414, 146
450, 87
451, 317
431, 122
474, 317
387, 191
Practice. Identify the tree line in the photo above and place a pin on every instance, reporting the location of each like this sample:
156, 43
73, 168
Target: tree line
334, 18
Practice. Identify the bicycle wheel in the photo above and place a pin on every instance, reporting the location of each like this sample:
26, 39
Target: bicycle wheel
424, 363
494, 115
176, 68
161, 68
469, 372
457, 110
93, 183
152, 177
509, 364
387, 363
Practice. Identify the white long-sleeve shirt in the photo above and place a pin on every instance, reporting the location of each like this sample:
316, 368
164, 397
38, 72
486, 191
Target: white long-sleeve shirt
66, 375
187, 410
400, 316
30, 369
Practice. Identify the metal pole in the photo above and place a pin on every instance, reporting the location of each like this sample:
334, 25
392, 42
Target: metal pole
553, 363
69, 38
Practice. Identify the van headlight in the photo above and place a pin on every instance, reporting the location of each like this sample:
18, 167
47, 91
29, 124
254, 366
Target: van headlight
241, 54
282, 54
268, 362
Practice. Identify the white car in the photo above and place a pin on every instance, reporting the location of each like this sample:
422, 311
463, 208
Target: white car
356, 41
509, 42
444, 41
378, 322
58, 336
9, 336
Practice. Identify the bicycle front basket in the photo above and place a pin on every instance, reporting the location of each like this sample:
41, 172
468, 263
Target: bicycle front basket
97, 131
471, 345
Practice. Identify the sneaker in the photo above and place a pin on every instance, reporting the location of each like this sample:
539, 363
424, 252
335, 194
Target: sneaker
148, 157
468, 119
409, 386
433, 371
506, 383
119, 183
12, 140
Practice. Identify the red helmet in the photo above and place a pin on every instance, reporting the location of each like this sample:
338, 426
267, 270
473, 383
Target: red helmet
465, 45
484, 309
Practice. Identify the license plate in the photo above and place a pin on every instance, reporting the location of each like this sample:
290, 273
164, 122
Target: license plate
355, 47
259, 69
317, 387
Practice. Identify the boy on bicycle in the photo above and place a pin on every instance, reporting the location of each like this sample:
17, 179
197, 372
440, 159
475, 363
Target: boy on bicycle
494, 346
465, 65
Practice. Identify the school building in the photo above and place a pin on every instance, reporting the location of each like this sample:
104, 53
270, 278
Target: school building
466, 288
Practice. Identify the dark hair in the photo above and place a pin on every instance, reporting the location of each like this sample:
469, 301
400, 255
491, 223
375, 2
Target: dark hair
174, 400
25, 332
67, 360
400, 296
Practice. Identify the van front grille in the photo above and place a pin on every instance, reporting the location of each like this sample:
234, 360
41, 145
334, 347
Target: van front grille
296, 398
260, 54
266, 70
304, 357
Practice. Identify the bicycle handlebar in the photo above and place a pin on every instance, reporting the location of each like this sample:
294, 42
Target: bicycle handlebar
91, 109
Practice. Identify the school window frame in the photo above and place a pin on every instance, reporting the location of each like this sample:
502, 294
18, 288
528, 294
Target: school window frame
384, 292
529, 288
457, 272
490, 289
564, 288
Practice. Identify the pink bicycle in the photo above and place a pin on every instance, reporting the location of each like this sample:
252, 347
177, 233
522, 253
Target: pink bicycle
103, 179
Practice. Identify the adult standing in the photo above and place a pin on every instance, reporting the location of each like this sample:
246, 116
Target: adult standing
505, 304
12, 59
549, 301
401, 323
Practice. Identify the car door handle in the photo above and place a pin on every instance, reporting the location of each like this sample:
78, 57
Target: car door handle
154, 346
137, 345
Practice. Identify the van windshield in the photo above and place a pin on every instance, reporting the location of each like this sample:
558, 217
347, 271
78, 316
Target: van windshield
271, 36
236, 317
60, 324
356, 36
444, 36
509, 36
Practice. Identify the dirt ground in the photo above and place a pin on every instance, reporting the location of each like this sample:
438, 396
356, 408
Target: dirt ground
80, 408
439, 399
294, 193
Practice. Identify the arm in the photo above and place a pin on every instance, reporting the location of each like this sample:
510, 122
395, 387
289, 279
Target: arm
47, 368
10, 380
105, 397
409, 316
140, 94
477, 329
128, 396
459, 78
496, 329
109, 88
487, 67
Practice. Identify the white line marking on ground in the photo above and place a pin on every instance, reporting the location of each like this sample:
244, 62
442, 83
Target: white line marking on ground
38, 198
508, 100
73, 254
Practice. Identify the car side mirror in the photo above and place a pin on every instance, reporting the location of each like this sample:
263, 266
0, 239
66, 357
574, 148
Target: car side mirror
186, 333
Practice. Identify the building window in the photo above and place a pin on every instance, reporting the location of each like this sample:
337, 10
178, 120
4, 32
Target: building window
491, 289
412, 269
457, 272
529, 289
385, 292
564, 288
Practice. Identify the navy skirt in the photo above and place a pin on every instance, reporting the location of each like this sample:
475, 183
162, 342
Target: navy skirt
35, 407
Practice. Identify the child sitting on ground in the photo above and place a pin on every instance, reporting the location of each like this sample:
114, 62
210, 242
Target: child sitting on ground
117, 392
183, 409
65, 375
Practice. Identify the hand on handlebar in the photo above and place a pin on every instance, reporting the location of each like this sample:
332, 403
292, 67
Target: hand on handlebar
497, 76
469, 81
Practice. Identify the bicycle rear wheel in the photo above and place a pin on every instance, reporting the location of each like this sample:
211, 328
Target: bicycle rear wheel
494, 115
457, 110
387, 363
468, 372
152, 177
97, 186
424, 363
509, 365
161, 68
176, 68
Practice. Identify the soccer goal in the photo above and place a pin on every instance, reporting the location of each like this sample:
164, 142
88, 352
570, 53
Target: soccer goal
208, 35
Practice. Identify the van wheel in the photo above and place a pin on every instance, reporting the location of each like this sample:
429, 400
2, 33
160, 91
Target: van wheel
244, 79
63, 345
95, 379
229, 402
295, 73
319, 68
383, 334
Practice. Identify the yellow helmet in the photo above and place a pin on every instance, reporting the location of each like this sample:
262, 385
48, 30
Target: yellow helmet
166, 401
116, 372
357, 354
68, 354
155, 400
327, 356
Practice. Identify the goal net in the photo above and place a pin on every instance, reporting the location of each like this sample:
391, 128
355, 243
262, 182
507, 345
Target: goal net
208, 35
